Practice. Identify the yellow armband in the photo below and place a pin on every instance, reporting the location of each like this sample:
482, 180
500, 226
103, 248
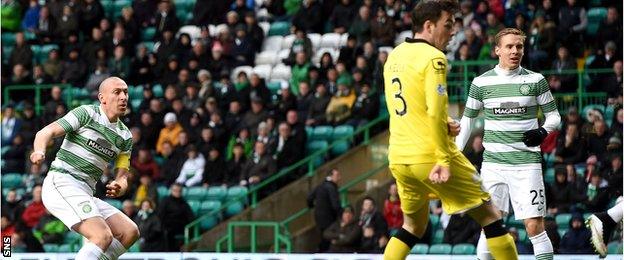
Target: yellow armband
123, 161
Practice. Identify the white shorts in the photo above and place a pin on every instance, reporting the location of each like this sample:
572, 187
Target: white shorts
524, 187
71, 200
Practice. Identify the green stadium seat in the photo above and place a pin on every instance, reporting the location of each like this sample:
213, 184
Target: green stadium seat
237, 192
208, 222
463, 249
586, 215
6, 52
316, 146
12, 180
274, 86
8, 39
208, 206
50, 248
512, 222
340, 147
279, 28
322, 132
440, 249
42, 56
29, 36
420, 249
588, 107
562, 231
135, 103
158, 90
563, 220
234, 209
438, 237
65, 248
148, 44
196, 193
614, 248
609, 114
194, 204
135, 248
594, 17
119, 5
20, 192
435, 221
522, 235
342, 131
115, 203
162, 192
549, 175
309, 131
72, 237
148, 33
218, 193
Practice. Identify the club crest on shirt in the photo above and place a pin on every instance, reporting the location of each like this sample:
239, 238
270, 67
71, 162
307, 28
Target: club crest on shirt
85, 206
441, 89
525, 90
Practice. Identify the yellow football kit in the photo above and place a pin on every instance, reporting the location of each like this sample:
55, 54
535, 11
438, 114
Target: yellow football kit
416, 95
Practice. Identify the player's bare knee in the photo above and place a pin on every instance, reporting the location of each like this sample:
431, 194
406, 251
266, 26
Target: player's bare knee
133, 234
102, 239
534, 226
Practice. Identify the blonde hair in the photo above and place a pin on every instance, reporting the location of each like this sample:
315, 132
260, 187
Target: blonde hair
507, 31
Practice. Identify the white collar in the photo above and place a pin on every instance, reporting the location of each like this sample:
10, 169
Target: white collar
503, 72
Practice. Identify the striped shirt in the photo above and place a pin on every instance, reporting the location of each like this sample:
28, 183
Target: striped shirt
91, 143
510, 101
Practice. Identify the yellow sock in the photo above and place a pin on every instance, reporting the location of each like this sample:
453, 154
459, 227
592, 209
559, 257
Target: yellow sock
396, 250
502, 247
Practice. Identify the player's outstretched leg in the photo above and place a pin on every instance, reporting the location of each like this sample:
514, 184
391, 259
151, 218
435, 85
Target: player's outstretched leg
542, 247
414, 226
601, 225
99, 235
500, 243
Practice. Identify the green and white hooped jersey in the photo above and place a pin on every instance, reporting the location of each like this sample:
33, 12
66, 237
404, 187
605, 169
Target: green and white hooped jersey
91, 143
510, 100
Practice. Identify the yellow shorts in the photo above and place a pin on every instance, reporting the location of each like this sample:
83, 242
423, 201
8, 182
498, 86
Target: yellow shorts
463, 190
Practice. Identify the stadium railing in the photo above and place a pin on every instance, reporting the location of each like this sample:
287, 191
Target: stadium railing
191, 231
281, 229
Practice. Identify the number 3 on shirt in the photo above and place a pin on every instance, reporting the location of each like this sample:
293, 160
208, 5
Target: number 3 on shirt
398, 95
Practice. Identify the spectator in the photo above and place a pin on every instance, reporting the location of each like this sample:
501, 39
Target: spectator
299, 71
347, 52
257, 88
149, 130
145, 12
68, 23
542, 39
175, 214
392, 210
15, 157
35, 209
473, 43
119, 64
130, 25
172, 162
564, 82
613, 175
20, 76
145, 165
166, 19
193, 168
576, 240
285, 147
572, 24
339, 107
128, 208
558, 194
54, 101
38, 76
318, 106
215, 170
21, 54
342, 16
73, 70
31, 17
234, 166
371, 242
304, 100
597, 193
254, 116
382, 29
308, 18
12, 208
370, 216
344, 234
361, 26
150, 228
260, 165
91, 12
613, 85
11, 125
45, 26
52, 66
100, 73
170, 132
146, 190
326, 202
597, 141
365, 108
610, 28
31, 123
286, 102
378, 79
461, 229
242, 49
570, 146
50, 230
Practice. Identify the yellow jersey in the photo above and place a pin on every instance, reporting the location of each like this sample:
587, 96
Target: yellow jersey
417, 100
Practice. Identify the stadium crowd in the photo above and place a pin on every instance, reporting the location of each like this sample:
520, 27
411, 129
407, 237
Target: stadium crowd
202, 121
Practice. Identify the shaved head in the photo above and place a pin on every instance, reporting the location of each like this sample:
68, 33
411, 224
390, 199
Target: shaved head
113, 97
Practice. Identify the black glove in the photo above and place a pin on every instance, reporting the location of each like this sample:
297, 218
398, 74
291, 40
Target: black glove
534, 137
